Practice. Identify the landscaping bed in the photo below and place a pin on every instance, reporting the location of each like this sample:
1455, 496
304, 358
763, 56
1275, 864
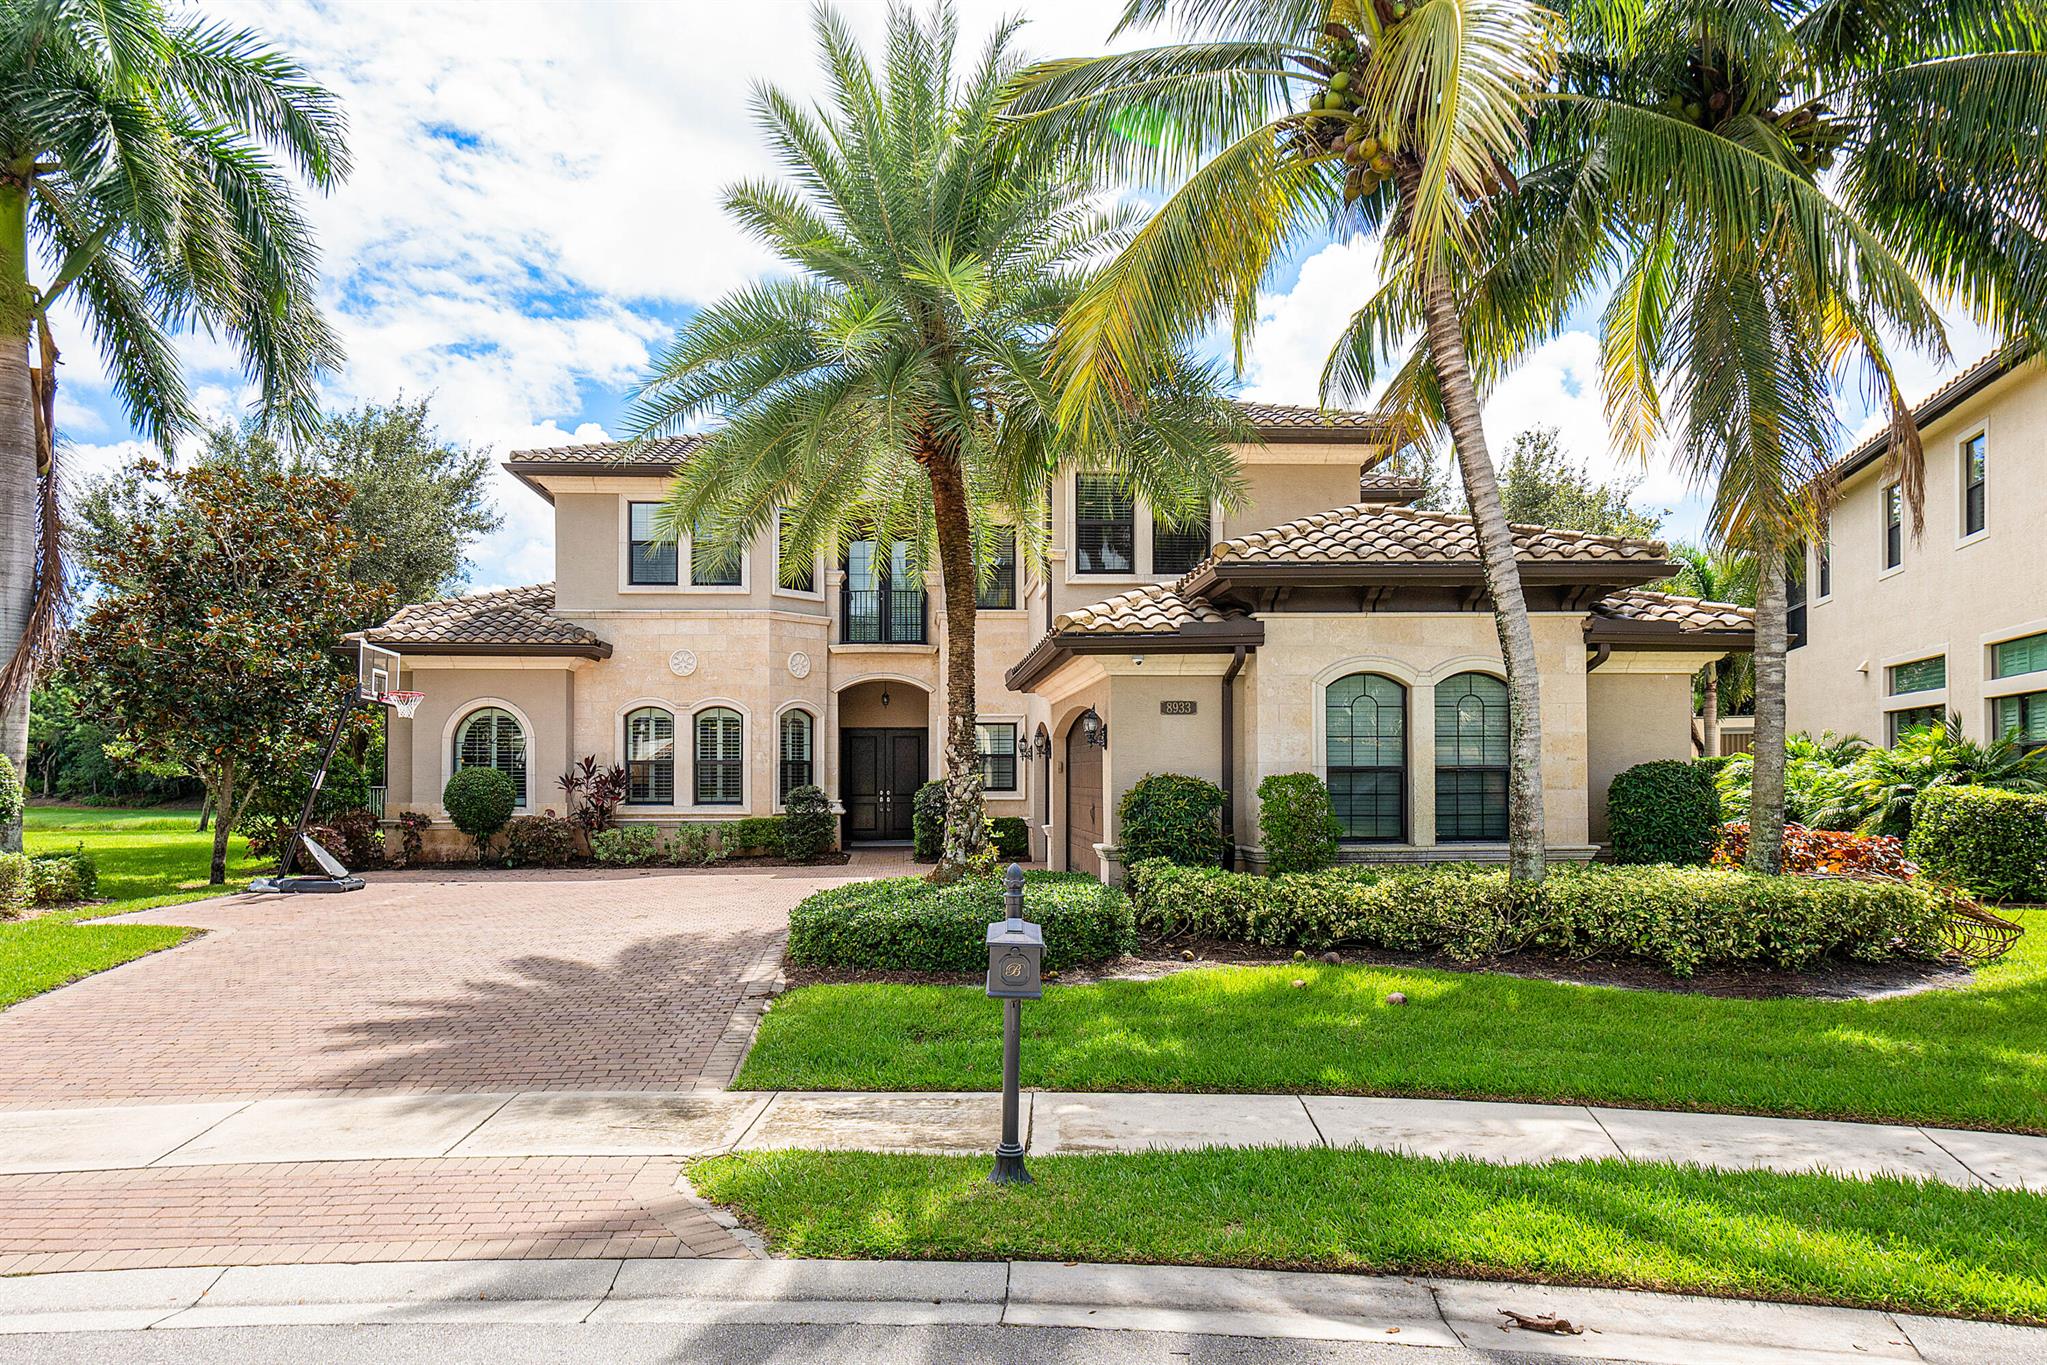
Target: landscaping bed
1884, 1243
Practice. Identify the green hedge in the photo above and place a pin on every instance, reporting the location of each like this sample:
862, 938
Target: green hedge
906, 924
1297, 828
1012, 838
1664, 812
1172, 816
17, 885
1992, 842
927, 822
810, 829
1682, 919
760, 834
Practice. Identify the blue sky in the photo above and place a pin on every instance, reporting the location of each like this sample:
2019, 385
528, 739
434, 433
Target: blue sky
535, 208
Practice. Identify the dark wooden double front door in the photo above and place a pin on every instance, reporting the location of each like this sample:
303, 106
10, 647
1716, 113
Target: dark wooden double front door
879, 773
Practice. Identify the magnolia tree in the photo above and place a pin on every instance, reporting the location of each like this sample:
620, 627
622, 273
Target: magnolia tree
216, 644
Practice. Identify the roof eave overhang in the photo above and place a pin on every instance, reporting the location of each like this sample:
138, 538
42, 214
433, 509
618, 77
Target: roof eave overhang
473, 649
1985, 373
530, 472
1363, 436
1224, 574
1604, 630
1200, 637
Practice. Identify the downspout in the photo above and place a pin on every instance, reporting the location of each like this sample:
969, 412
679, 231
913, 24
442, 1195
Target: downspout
1229, 763
1600, 654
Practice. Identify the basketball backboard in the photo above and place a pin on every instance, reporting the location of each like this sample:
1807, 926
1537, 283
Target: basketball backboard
377, 670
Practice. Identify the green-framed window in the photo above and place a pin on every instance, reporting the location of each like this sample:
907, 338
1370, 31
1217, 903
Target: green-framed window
1921, 675
2027, 654
1907, 719
1472, 732
1365, 753
2025, 713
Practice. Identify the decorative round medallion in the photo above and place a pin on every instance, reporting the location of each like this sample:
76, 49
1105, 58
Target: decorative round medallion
682, 662
799, 665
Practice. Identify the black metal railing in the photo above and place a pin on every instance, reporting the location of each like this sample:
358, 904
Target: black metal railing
882, 616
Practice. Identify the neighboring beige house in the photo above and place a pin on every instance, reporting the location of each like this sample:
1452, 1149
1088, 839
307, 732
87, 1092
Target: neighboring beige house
1324, 626
1890, 630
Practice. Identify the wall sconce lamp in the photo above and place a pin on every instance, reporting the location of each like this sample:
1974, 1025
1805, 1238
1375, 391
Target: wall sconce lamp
1042, 744
884, 696
1094, 729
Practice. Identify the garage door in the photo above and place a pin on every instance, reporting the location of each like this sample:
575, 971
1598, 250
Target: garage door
1083, 804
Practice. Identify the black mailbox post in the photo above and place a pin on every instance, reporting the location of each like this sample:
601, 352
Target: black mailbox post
1016, 960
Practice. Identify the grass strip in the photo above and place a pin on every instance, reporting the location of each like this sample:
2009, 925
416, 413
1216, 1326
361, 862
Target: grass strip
1886, 1243
41, 954
1974, 1057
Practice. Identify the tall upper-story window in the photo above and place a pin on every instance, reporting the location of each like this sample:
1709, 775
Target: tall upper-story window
1823, 565
650, 757
1471, 758
1365, 745
1975, 483
791, 574
713, 569
998, 591
648, 561
1894, 527
1104, 526
493, 738
1794, 598
720, 772
1176, 552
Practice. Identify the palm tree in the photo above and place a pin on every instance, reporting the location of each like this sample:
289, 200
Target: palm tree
147, 163
1772, 190
894, 385
1282, 116
1718, 576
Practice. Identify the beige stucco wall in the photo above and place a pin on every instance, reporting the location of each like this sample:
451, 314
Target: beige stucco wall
1951, 596
542, 697
589, 548
1631, 717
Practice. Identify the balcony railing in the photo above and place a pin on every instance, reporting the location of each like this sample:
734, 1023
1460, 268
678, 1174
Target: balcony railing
883, 616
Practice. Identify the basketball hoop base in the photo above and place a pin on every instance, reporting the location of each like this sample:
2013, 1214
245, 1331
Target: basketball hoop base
303, 885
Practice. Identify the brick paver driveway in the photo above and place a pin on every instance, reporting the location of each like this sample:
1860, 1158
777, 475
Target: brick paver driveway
422, 982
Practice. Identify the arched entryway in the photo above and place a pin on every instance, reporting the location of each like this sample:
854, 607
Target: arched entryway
1083, 802
884, 756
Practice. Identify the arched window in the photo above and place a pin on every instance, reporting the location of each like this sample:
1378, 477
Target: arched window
493, 738
650, 757
1471, 758
719, 770
795, 770
1366, 753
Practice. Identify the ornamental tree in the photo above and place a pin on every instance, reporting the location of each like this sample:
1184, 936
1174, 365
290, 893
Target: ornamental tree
217, 642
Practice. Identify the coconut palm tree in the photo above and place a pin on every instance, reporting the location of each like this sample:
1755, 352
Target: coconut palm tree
1773, 193
894, 384
1718, 575
148, 163
1275, 119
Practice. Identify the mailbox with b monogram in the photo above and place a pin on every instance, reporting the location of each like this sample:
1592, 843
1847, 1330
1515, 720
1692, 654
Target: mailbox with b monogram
1016, 955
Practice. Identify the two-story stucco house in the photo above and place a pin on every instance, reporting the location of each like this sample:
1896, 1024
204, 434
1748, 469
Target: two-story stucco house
1325, 626
1890, 630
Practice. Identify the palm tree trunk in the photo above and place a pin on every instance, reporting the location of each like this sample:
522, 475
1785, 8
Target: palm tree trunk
965, 824
223, 799
1766, 790
1712, 709
1527, 831
18, 511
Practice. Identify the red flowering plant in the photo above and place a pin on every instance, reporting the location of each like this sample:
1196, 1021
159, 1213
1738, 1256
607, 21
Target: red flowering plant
1824, 853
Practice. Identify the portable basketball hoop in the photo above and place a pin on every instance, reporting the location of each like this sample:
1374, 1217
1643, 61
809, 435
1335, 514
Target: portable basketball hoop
404, 703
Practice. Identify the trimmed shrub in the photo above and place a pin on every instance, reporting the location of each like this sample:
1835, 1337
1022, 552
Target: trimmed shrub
906, 924
626, 845
927, 822
760, 834
544, 840
479, 801
1664, 812
71, 875
809, 829
1823, 853
1992, 842
693, 846
1682, 919
1011, 838
1171, 816
1297, 826
354, 836
17, 885
10, 791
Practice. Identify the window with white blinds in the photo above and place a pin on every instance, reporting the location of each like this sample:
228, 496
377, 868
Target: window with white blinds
720, 771
650, 757
797, 733
493, 738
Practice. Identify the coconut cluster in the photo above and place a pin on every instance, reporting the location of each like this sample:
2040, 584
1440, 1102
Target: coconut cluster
1710, 97
1332, 123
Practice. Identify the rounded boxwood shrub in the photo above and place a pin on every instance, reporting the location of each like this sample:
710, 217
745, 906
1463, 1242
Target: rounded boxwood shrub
480, 801
1297, 827
1992, 842
809, 829
1664, 812
927, 822
906, 924
1011, 838
1171, 816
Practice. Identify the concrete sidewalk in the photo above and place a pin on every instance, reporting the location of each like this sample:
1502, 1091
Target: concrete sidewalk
674, 1124
1423, 1313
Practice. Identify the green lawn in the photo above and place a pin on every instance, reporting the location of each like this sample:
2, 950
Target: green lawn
1887, 1243
146, 857
1969, 1058
41, 954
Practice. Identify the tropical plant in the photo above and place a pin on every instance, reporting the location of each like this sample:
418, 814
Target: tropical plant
1771, 192
1883, 783
1729, 682
1274, 118
1815, 782
894, 385
150, 164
